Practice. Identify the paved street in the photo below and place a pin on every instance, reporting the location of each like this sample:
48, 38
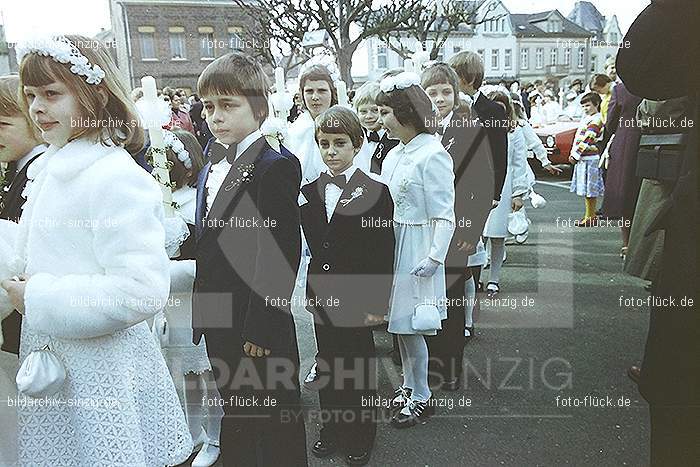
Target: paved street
571, 328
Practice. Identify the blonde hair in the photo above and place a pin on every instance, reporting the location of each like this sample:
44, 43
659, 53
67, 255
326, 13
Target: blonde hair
10, 102
117, 117
366, 95
469, 68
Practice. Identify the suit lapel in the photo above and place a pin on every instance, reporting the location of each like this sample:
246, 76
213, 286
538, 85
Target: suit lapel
236, 179
201, 206
342, 210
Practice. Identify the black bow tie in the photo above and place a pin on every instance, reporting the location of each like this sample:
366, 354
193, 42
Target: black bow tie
338, 180
217, 152
373, 136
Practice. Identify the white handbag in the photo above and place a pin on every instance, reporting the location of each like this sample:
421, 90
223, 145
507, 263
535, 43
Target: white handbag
426, 316
41, 375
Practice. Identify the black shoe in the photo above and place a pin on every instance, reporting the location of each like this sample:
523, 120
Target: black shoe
418, 412
323, 449
492, 289
312, 378
358, 458
451, 385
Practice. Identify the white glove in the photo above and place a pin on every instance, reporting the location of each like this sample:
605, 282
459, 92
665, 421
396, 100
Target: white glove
425, 268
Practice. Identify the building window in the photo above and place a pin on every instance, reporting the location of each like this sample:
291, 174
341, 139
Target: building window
553, 56
206, 42
148, 43
524, 59
234, 39
480, 53
177, 43
503, 25
594, 64
581, 57
456, 49
539, 58
508, 59
567, 57
613, 38
495, 55
381, 56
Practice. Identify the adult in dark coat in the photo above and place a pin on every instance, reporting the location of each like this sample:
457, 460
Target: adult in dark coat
497, 133
664, 46
621, 183
467, 142
248, 252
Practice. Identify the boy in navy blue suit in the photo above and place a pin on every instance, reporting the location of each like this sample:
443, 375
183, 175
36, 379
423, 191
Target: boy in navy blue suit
248, 252
348, 222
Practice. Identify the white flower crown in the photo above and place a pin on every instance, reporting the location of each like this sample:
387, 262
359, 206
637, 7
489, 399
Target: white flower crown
403, 80
62, 50
173, 142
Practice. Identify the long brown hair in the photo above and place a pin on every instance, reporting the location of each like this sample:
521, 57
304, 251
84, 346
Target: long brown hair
116, 120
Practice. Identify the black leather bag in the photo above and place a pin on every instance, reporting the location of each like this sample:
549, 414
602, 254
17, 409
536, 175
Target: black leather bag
660, 156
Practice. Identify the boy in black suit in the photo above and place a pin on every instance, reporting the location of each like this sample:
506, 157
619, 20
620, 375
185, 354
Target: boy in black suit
348, 222
378, 143
20, 145
465, 139
470, 70
248, 252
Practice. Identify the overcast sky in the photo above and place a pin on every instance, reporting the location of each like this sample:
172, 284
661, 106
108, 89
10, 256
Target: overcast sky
25, 17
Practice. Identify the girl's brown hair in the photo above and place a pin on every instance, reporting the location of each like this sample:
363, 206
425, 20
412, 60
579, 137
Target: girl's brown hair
115, 120
10, 105
502, 98
412, 107
179, 173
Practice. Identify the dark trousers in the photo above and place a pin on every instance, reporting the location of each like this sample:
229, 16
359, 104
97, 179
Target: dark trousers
263, 423
348, 385
447, 347
674, 435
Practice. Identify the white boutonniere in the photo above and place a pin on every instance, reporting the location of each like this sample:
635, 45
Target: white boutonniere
245, 175
450, 143
356, 193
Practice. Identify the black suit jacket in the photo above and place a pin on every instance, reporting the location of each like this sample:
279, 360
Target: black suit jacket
352, 257
11, 204
467, 142
248, 254
494, 119
385, 145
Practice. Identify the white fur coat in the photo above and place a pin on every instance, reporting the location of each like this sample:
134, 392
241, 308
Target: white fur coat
92, 240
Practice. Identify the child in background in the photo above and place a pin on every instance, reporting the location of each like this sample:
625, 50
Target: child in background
586, 179
377, 144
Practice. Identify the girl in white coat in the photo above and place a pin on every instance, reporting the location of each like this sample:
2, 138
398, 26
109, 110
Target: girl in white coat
515, 187
420, 177
92, 244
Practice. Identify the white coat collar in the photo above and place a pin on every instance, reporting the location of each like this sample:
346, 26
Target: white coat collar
420, 140
68, 161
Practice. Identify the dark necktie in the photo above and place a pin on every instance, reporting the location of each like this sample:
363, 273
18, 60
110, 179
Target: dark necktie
338, 180
373, 136
217, 152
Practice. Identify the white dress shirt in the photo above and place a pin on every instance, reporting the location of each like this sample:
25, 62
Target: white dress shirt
333, 191
219, 171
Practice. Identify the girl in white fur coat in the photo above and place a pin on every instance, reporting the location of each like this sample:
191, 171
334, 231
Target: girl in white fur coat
91, 241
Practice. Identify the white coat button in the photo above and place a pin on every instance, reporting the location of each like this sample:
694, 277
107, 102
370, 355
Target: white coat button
326, 267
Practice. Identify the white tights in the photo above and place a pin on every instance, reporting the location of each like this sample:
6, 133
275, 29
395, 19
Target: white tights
414, 361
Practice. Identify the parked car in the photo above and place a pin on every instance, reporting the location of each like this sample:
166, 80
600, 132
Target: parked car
557, 139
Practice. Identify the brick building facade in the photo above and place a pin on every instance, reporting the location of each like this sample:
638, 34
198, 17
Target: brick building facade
174, 40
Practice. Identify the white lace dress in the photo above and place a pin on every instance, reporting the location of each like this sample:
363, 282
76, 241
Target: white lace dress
92, 241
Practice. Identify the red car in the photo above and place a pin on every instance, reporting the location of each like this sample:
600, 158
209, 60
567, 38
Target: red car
557, 139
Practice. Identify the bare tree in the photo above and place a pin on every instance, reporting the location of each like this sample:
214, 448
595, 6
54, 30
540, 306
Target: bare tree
346, 22
436, 22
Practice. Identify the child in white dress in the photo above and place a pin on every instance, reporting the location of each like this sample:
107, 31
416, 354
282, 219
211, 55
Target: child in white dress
92, 243
420, 176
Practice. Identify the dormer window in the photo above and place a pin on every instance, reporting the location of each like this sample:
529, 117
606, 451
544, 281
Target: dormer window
554, 25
